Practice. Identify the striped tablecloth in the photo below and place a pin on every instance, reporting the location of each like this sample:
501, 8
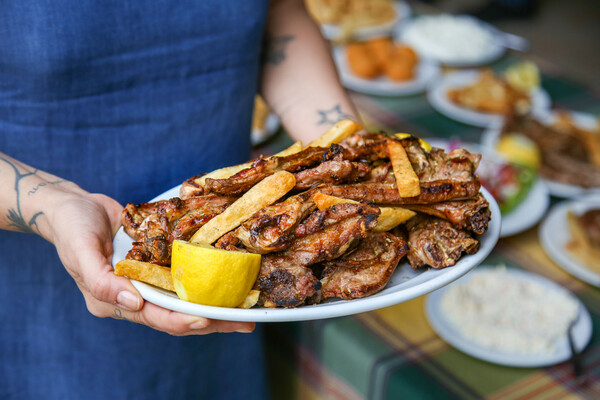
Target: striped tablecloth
393, 353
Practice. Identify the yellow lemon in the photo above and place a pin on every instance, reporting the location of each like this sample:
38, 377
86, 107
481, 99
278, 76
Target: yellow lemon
214, 277
519, 149
524, 76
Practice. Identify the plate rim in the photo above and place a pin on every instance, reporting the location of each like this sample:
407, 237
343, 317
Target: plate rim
325, 310
444, 329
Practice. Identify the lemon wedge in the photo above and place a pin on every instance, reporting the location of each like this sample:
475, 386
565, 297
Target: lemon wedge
519, 149
213, 277
524, 76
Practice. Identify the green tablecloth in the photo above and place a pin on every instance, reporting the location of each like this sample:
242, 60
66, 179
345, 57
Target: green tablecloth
393, 353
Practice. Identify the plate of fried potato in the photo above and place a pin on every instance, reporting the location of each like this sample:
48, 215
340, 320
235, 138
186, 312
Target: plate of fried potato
327, 226
481, 97
341, 20
574, 246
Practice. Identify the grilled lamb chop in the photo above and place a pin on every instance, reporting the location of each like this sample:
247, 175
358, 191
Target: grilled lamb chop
386, 193
284, 279
435, 242
335, 171
471, 214
365, 270
156, 225
270, 229
442, 176
263, 167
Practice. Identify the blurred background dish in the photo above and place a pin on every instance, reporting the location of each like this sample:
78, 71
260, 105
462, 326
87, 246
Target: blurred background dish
453, 40
341, 20
403, 72
522, 197
509, 316
265, 124
567, 145
438, 96
562, 241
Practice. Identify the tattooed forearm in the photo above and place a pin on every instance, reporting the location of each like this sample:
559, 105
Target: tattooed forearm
275, 48
332, 115
35, 189
15, 216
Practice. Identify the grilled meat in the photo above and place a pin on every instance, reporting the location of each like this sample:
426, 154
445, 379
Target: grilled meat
387, 193
270, 229
435, 242
263, 167
471, 214
156, 225
284, 279
335, 171
365, 270
442, 176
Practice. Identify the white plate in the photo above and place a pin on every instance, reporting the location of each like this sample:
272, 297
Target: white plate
554, 235
438, 98
427, 71
446, 330
528, 213
259, 136
405, 284
403, 11
427, 43
491, 135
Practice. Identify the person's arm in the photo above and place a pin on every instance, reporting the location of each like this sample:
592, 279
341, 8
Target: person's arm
299, 81
81, 226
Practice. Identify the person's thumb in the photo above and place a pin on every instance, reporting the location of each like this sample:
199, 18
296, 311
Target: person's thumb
100, 281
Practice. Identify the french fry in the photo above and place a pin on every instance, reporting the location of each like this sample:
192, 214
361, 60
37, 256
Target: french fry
224, 173
146, 272
250, 300
340, 131
293, 149
407, 180
264, 193
389, 218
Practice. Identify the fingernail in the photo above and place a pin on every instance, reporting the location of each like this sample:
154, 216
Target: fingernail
128, 301
245, 329
199, 324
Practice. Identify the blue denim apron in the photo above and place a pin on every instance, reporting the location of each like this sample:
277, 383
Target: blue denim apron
126, 98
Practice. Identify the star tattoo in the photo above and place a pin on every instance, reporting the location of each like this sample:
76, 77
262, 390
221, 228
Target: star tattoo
331, 116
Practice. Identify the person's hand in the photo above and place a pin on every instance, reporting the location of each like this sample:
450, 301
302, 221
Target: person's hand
82, 226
